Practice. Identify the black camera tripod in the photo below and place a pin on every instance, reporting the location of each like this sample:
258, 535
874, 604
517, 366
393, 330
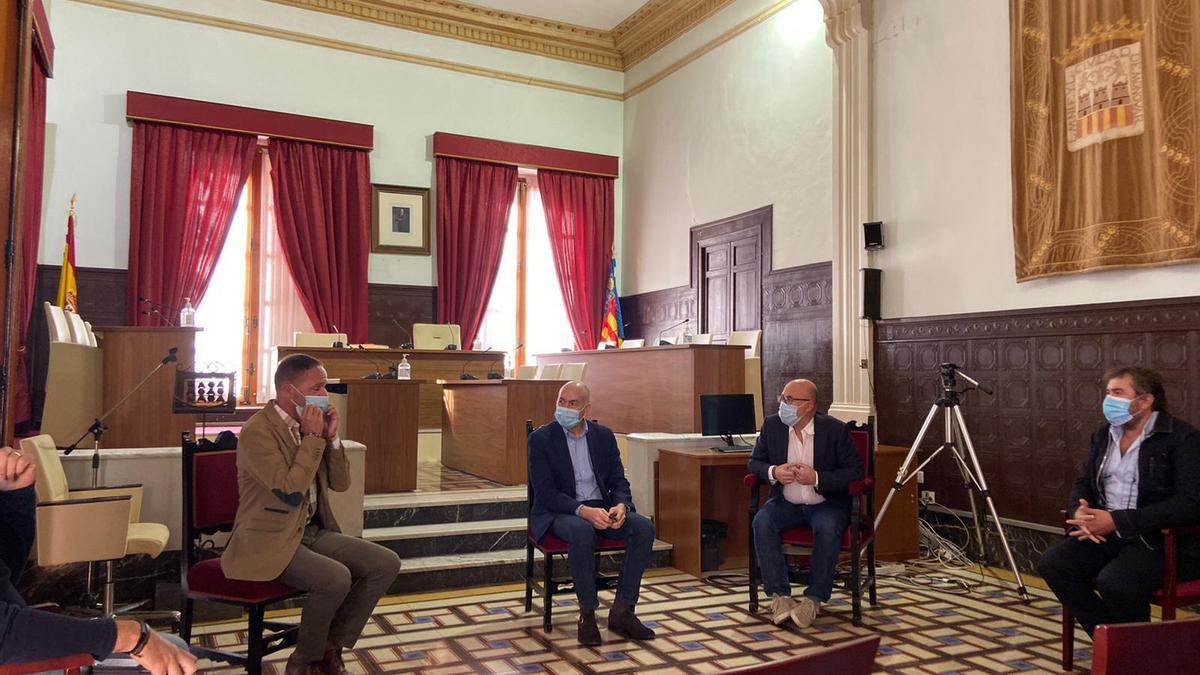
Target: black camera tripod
955, 428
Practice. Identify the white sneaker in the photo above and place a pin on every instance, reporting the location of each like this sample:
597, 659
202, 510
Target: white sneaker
781, 608
804, 611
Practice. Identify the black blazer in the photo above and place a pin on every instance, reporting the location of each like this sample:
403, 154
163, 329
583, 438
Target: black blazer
552, 476
835, 457
1168, 484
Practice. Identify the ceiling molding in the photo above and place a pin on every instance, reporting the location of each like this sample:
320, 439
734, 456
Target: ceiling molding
646, 31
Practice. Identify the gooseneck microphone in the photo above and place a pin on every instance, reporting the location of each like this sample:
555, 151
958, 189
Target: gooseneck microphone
661, 342
404, 345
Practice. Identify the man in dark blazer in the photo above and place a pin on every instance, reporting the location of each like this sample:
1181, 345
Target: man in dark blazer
809, 460
579, 492
1142, 474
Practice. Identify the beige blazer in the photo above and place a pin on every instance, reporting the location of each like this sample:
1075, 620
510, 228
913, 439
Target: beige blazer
274, 474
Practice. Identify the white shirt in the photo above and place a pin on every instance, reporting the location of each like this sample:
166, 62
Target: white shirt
1119, 473
800, 449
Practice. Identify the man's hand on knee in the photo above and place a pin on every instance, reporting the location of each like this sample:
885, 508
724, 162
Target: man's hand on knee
596, 517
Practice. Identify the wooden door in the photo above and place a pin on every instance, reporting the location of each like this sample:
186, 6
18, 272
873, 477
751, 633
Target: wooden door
729, 259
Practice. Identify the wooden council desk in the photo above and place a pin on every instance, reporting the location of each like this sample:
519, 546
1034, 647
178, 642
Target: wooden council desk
699, 483
483, 424
145, 420
427, 364
382, 415
656, 389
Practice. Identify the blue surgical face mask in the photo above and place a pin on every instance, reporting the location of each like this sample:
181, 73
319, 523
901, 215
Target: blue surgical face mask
788, 414
1116, 410
568, 417
321, 402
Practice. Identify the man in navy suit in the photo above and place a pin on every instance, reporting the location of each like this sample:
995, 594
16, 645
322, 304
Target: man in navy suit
580, 491
810, 461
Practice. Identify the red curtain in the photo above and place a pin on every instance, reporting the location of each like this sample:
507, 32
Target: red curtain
473, 201
35, 162
580, 217
323, 213
184, 186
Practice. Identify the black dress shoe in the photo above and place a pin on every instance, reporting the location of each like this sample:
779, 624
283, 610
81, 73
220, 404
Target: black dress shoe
589, 633
623, 622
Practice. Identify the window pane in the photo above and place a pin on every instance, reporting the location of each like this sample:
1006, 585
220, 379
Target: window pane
222, 313
499, 328
546, 327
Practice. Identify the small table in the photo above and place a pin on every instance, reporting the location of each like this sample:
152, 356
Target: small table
382, 415
699, 483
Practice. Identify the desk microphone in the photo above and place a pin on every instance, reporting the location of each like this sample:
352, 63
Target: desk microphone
154, 312
465, 375
450, 346
404, 345
661, 342
337, 344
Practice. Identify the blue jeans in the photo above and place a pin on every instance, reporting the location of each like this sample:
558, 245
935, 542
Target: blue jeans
828, 524
638, 533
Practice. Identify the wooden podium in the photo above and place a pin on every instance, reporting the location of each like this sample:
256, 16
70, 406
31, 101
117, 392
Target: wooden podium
656, 389
382, 415
429, 365
130, 353
483, 424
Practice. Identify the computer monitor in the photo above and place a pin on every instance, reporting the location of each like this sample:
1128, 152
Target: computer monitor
725, 415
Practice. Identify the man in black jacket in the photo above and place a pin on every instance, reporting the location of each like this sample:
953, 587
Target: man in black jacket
1142, 474
810, 461
580, 491
30, 635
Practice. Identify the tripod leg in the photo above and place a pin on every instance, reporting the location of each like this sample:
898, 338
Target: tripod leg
983, 490
971, 487
902, 474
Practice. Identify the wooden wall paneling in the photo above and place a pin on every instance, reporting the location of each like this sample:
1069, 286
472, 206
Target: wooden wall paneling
798, 331
1045, 365
389, 304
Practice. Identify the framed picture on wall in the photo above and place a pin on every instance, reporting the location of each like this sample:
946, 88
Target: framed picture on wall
399, 219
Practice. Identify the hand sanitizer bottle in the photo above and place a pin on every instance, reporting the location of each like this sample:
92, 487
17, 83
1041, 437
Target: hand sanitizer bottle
404, 369
187, 314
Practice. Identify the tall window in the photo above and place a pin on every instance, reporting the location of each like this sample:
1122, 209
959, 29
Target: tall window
222, 312
526, 315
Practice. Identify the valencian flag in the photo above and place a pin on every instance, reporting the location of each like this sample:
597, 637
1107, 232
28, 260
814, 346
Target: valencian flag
613, 329
68, 291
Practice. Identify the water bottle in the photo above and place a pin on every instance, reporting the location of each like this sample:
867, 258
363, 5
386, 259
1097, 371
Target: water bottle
187, 315
404, 369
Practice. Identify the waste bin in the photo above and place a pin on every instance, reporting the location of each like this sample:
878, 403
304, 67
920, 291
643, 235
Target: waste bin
712, 534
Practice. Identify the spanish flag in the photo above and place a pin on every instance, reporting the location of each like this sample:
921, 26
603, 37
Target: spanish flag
68, 291
613, 329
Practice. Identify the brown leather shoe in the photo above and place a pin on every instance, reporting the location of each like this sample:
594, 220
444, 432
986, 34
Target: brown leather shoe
623, 622
297, 667
589, 633
332, 663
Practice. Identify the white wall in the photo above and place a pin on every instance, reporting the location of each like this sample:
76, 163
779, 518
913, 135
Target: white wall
746, 125
943, 171
102, 53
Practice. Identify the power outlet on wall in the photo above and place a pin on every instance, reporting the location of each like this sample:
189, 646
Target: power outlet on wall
928, 497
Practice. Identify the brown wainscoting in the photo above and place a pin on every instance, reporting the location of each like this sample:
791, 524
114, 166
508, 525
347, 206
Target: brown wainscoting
1045, 366
389, 304
103, 295
797, 320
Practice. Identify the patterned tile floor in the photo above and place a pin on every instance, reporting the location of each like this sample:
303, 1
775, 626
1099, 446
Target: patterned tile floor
702, 628
433, 477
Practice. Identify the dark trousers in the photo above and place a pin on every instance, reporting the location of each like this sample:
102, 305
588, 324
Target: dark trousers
828, 525
638, 533
1103, 583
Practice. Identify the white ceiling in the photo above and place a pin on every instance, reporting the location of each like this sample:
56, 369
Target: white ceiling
602, 14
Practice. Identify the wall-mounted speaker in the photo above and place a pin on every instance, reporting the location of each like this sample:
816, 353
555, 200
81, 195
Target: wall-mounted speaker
872, 279
873, 235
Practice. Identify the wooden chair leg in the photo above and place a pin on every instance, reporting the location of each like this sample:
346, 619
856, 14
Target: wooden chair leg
753, 571
528, 577
871, 572
1068, 639
255, 645
856, 573
547, 592
185, 620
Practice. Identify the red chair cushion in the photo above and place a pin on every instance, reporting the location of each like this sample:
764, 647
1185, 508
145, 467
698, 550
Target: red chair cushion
551, 544
205, 579
803, 536
216, 504
1186, 593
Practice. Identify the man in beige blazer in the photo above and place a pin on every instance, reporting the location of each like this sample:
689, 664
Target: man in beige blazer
289, 457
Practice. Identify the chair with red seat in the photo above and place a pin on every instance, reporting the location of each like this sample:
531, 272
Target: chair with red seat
1173, 594
858, 539
1150, 647
551, 545
68, 665
210, 502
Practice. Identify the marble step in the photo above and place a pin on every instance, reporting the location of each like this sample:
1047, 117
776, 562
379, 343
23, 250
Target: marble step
436, 539
441, 572
429, 508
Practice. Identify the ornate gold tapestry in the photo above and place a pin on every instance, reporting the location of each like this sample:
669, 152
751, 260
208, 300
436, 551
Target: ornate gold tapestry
1104, 134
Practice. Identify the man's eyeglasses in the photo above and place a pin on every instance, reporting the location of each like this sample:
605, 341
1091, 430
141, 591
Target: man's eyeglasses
793, 401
